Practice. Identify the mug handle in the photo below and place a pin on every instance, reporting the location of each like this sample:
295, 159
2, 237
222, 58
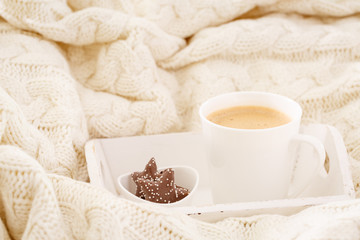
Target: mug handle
318, 148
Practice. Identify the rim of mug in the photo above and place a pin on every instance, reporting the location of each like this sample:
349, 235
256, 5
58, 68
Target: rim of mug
208, 101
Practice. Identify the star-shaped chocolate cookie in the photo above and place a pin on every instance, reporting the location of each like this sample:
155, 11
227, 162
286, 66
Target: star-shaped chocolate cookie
157, 186
150, 173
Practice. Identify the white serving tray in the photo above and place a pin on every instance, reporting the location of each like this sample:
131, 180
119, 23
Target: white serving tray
108, 158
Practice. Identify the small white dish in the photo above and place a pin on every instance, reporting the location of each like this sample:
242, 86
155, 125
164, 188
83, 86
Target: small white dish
185, 176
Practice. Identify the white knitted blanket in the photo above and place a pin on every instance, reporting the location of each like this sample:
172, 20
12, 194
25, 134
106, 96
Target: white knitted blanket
75, 70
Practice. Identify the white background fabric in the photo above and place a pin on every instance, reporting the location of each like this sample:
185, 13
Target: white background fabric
75, 70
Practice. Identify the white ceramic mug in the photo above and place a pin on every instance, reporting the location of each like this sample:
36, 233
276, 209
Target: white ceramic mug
256, 164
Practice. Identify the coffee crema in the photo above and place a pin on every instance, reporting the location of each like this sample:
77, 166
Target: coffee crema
249, 117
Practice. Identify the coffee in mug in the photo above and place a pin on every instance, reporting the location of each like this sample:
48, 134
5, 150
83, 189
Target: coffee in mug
249, 117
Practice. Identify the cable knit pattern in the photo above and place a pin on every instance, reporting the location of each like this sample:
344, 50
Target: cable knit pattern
75, 70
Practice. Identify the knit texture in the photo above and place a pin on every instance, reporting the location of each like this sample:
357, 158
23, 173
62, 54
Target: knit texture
75, 70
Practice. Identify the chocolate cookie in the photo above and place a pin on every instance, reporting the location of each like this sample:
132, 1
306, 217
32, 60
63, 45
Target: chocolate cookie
157, 186
149, 173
